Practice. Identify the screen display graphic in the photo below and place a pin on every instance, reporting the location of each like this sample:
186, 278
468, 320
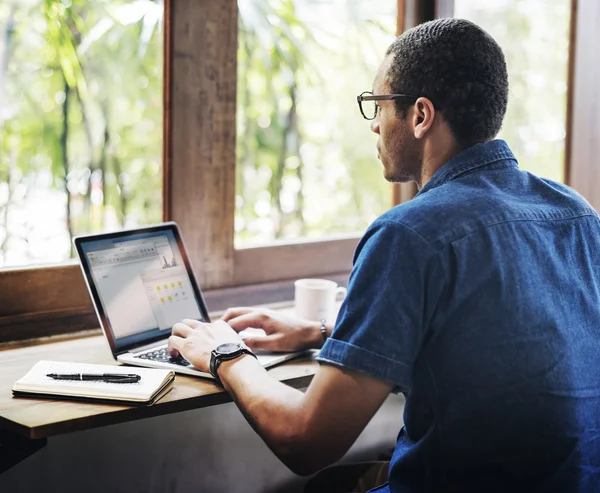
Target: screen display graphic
142, 283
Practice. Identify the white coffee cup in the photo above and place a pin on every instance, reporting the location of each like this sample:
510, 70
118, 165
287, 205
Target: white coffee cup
315, 299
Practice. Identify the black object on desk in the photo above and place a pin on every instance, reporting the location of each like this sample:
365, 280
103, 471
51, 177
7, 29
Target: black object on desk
103, 377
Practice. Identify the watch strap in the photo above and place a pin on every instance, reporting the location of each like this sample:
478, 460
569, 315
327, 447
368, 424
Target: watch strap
217, 358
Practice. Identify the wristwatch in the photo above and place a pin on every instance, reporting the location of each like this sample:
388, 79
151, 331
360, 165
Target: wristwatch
226, 352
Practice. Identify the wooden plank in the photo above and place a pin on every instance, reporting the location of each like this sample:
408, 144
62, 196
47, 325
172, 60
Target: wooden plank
400, 14
46, 324
167, 55
202, 133
419, 11
45, 290
584, 131
38, 418
294, 260
278, 293
408, 16
570, 90
38, 302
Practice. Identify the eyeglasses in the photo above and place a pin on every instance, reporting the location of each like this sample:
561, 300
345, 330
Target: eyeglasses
367, 102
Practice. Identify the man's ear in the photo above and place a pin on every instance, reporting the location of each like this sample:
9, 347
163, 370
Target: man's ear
423, 116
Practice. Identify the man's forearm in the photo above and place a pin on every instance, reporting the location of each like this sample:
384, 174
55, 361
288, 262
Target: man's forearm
307, 431
273, 409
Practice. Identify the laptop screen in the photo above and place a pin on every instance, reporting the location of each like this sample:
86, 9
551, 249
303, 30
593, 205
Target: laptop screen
142, 283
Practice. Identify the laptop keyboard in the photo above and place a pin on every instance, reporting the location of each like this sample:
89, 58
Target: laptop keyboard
162, 355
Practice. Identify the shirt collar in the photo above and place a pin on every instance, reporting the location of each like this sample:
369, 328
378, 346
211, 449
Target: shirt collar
477, 156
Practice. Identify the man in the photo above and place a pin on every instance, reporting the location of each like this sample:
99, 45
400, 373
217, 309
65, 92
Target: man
479, 299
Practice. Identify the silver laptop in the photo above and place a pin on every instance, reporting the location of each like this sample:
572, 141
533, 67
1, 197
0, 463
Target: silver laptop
141, 283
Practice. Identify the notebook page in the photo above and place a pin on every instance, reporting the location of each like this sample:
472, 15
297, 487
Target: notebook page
37, 381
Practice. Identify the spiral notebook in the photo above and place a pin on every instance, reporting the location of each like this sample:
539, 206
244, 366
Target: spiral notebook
153, 383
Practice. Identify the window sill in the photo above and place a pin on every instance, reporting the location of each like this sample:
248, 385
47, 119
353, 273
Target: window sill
81, 321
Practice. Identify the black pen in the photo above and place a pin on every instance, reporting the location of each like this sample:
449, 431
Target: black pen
98, 377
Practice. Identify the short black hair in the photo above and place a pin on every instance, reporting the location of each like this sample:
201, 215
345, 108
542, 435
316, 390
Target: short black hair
460, 68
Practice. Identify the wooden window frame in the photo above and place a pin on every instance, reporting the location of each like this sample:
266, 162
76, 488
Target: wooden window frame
198, 193
199, 174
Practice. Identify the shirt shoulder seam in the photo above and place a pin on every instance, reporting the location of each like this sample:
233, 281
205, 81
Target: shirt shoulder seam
514, 220
401, 223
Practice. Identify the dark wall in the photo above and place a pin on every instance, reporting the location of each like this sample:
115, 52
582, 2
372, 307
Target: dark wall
212, 450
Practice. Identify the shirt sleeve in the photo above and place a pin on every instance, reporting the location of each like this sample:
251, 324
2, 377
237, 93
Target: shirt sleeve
392, 292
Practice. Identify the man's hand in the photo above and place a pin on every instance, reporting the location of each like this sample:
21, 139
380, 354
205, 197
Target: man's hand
304, 429
284, 332
195, 340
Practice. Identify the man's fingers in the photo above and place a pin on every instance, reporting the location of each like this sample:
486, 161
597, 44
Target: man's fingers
181, 329
252, 319
190, 322
235, 312
175, 343
268, 343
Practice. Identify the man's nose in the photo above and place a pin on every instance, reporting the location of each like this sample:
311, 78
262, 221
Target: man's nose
375, 126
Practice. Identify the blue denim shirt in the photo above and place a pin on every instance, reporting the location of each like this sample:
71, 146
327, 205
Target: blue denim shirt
480, 300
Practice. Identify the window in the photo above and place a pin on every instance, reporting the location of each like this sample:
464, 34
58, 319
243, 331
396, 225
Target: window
199, 167
80, 122
306, 160
534, 36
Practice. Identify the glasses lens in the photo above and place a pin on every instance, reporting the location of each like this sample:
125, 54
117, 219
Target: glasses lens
369, 109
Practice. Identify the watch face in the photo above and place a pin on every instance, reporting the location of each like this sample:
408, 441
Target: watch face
228, 348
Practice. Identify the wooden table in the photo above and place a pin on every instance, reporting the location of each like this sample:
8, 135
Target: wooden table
26, 423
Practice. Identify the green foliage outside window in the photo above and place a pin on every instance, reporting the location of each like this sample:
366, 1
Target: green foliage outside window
534, 35
81, 114
80, 122
306, 159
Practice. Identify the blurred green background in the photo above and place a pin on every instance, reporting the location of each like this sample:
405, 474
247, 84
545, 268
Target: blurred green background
81, 114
